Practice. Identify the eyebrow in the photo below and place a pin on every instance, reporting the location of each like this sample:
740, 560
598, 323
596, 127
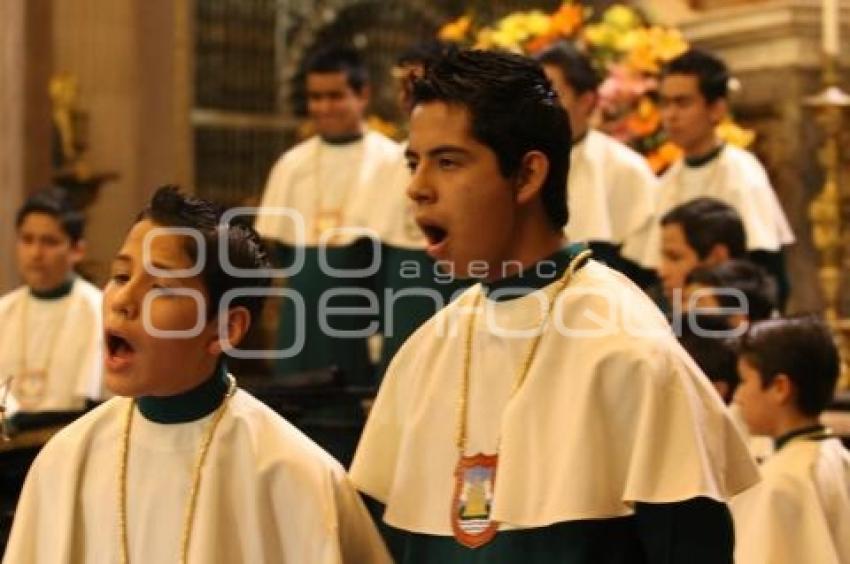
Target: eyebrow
156, 264
438, 151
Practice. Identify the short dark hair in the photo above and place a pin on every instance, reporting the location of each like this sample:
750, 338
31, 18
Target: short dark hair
170, 208
575, 66
715, 355
711, 72
707, 222
744, 276
801, 348
423, 53
55, 202
512, 109
338, 58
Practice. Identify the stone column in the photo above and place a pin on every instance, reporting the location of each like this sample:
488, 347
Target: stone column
24, 116
132, 65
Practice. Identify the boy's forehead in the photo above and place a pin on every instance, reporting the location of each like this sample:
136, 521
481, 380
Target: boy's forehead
165, 244
439, 123
42, 222
680, 83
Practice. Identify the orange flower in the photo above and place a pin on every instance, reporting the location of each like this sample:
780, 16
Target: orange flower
540, 42
567, 20
645, 119
456, 31
663, 157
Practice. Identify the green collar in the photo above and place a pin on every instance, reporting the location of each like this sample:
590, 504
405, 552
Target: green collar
812, 432
535, 277
188, 406
700, 160
346, 139
54, 293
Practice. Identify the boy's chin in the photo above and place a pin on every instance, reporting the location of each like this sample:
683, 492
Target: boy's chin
122, 384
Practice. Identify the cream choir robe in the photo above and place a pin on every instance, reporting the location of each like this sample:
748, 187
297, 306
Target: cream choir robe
611, 193
736, 177
353, 177
613, 412
314, 176
268, 494
800, 512
64, 335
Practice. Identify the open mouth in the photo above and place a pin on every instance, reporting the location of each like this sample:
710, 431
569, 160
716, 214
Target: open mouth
119, 351
435, 237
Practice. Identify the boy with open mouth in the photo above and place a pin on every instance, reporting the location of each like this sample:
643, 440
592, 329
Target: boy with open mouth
183, 466
547, 414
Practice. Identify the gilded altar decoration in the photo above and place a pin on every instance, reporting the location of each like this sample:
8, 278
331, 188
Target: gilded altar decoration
626, 49
71, 169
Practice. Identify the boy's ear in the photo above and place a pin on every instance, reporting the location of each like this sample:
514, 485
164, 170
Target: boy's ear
531, 176
718, 254
718, 110
78, 251
782, 389
238, 322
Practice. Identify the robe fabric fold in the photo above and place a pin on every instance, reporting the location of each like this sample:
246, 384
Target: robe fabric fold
613, 412
267, 494
800, 512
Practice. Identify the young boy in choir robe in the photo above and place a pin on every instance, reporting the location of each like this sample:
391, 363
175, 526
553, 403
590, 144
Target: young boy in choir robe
800, 512
183, 466
697, 233
737, 287
318, 212
693, 90
611, 190
51, 343
547, 414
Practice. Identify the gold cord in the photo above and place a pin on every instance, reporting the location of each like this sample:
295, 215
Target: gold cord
532, 349
24, 370
196, 477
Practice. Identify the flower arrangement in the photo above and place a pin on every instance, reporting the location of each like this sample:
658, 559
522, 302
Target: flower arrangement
628, 52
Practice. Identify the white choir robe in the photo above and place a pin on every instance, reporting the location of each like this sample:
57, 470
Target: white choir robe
64, 333
612, 412
611, 194
737, 178
316, 175
267, 495
800, 512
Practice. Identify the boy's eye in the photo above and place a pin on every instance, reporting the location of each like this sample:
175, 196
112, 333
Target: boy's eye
119, 277
411, 165
447, 164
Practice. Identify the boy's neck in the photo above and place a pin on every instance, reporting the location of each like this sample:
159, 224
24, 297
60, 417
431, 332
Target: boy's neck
705, 148
54, 293
190, 405
535, 276
533, 241
793, 421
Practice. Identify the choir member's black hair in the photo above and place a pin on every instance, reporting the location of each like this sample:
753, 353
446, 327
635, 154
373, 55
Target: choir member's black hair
711, 73
741, 275
55, 202
707, 222
513, 110
575, 66
803, 349
337, 58
171, 208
